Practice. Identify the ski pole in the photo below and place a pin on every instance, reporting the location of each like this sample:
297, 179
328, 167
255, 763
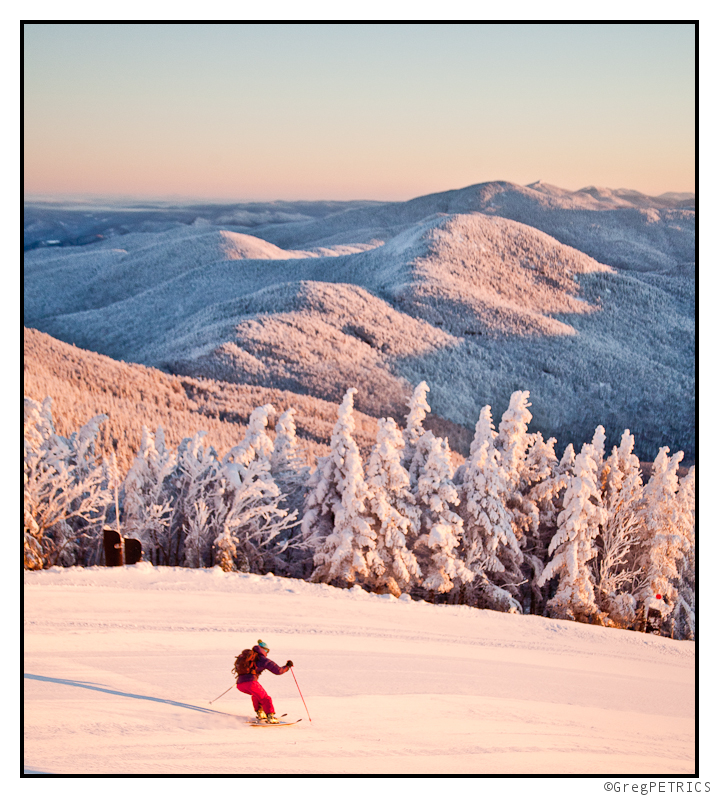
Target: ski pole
220, 696
300, 692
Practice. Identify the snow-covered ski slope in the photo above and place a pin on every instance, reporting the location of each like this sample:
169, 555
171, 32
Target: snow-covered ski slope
121, 664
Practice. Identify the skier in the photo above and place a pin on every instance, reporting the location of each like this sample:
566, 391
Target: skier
248, 667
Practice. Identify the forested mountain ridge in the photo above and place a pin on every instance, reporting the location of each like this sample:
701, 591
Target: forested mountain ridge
84, 384
461, 288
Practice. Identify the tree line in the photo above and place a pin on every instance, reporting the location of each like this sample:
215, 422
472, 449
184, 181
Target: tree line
514, 527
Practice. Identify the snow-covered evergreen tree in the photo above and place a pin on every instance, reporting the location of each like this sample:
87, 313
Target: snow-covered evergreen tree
150, 496
513, 439
566, 464
542, 488
247, 506
414, 429
622, 495
539, 482
65, 492
395, 517
483, 430
247, 518
572, 545
417, 440
336, 522
662, 543
287, 463
620, 468
487, 530
437, 547
685, 607
256, 443
292, 475
198, 477
598, 442
513, 443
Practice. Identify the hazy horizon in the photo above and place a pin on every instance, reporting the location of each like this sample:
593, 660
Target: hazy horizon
115, 200
253, 112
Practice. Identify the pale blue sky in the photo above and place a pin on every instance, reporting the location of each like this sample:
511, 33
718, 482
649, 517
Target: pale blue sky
355, 111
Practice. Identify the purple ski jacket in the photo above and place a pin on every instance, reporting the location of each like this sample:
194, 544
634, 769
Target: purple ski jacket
262, 663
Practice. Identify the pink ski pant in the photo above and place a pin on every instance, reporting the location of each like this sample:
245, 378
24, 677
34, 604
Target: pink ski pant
259, 696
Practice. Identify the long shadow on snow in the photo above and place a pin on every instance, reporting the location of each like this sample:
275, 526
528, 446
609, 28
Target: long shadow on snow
90, 686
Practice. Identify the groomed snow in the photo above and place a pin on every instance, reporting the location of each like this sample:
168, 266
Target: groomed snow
121, 664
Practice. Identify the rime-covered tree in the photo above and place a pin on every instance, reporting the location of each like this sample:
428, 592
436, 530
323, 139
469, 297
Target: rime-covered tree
64, 487
249, 520
483, 431
256, 444
150, 496
198, 477
572, 546
566, 464
544, 484
394, 515
336, 522
437, 547
513, 439
513, 443
418, 409
291, 474
488, 538
287, 463
597, 444
685, 606
615, 568
416, 439
247, 506
621, 467
662, 543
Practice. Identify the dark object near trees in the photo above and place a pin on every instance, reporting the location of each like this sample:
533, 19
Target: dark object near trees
133, 551
654, 620
113, 548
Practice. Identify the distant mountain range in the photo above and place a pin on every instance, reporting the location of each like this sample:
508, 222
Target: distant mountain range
586, 299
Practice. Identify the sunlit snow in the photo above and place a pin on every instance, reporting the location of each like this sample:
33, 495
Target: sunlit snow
121, 666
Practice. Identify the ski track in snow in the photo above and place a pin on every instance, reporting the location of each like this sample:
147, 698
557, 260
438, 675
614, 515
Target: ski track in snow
121, 664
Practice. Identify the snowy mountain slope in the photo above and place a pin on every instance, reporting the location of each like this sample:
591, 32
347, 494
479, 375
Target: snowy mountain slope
318, 339
240, 321
121, 664
493, 276
84, 384
471, 271
476, 305
66, 281
621, 228
58, 223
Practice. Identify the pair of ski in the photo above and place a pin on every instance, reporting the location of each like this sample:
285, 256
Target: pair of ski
258, 722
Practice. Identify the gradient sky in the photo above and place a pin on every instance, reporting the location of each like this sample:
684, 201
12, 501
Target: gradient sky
387, 112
